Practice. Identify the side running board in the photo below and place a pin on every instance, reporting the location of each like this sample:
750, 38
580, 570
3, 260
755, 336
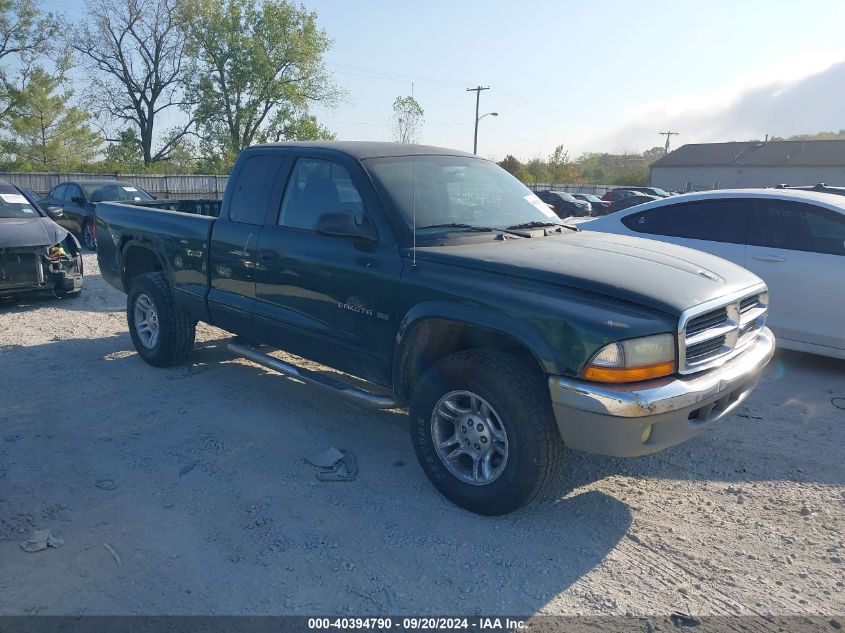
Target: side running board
313, 377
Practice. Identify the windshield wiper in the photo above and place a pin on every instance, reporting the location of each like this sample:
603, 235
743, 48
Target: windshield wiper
532, 225
457, 225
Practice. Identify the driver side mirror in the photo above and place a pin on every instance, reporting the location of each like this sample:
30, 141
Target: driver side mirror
53, 212
78, 200
342, 224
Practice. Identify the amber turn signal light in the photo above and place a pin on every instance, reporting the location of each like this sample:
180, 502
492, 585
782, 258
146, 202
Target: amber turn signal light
629, 374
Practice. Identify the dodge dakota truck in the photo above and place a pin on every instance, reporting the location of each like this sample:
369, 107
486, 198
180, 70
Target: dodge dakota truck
440, 283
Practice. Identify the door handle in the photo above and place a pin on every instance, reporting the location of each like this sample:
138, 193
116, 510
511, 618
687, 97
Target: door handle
268, 256
768, 258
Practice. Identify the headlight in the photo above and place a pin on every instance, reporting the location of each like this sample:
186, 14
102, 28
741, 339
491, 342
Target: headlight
633, 360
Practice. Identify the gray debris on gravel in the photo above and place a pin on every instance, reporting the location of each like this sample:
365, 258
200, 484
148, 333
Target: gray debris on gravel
41, 540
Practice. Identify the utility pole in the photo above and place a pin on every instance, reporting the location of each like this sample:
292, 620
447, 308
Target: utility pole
477, 92
668, 135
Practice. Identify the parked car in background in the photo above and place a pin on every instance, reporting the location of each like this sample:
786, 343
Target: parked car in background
821, 188
76, 199
616, 194
631, 201
35, 252
564, 204
624, 192
794, 240
598, 206
651, 191
32, 195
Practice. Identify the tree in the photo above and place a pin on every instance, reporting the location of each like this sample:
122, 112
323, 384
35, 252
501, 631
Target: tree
124, 153
561, 169
47, 134
25, 35
536, 171
136, 52
258, 67
408, 118
512, 165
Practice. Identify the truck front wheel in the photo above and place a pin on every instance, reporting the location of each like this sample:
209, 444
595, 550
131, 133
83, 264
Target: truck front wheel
484, 432
163, 333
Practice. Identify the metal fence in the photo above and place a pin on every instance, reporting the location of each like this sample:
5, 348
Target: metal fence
597, 190
176, 186
207, 186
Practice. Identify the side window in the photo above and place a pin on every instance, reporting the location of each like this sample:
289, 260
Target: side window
58, 193
798, 227
252, 190
315, 187
73, 191
713, 220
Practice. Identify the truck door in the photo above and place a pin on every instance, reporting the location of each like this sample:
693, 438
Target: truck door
234, 242
325, 297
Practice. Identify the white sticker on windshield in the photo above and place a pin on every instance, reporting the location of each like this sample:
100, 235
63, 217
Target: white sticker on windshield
130, 189
14, 198
542, 206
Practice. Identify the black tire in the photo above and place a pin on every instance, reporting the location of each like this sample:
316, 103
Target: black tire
176, 328
519, 395
86, 236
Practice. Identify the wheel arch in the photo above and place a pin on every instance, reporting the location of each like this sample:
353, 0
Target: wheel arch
139, 257
432, 331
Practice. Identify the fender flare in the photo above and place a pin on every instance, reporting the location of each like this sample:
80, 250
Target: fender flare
493, 321
146, 245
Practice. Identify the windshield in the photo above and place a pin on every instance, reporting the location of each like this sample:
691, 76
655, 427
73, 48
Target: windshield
452, 190
659, 192
564, 196
114, 192
590, 197
14, 205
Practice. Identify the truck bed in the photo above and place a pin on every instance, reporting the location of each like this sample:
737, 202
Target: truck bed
180, 237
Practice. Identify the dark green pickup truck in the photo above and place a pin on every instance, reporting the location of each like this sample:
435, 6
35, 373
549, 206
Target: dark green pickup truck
446, 285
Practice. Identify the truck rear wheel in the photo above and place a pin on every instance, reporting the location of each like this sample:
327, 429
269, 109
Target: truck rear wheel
163, 333
484, 432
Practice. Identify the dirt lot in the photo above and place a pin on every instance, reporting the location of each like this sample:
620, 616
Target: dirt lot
195, 477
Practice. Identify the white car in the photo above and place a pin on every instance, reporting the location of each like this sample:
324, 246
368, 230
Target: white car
794, 240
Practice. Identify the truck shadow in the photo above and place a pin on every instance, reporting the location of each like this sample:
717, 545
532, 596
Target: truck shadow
212, 454
207, 462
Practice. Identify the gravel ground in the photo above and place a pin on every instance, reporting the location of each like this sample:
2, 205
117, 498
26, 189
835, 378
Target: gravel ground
194, 476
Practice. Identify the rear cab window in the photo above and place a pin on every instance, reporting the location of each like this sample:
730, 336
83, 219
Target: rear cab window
251, 192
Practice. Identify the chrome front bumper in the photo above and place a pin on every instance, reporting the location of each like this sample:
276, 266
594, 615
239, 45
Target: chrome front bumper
641, 418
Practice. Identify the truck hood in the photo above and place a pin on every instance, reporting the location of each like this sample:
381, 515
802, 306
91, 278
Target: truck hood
23, 232
654, 274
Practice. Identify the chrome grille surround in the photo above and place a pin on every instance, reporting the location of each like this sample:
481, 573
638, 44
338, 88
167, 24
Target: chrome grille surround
713, 332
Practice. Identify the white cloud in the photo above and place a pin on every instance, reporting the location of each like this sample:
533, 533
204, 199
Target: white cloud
799, 95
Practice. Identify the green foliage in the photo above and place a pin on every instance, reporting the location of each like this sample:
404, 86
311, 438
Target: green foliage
124, 154
48, 135
818, 136
257, 68
512, 165
26, 34
408, 118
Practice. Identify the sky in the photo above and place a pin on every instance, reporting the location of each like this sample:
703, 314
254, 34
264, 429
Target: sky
603, 75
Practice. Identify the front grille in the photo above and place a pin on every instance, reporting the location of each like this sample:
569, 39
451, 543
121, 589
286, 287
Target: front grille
707, 321
19, 269
701, 350
710, 335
